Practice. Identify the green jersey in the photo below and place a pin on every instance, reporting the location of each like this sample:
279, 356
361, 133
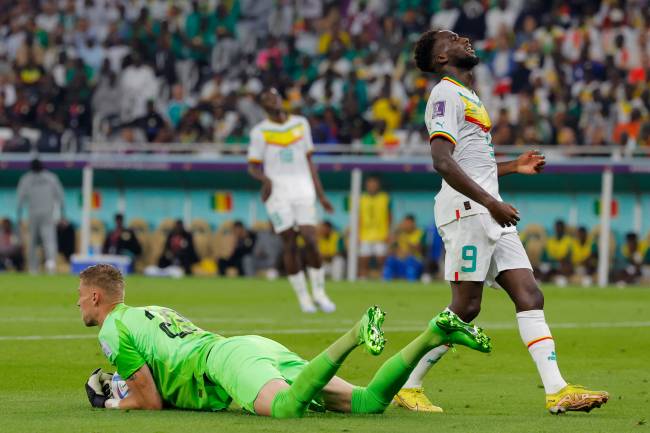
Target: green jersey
174, 349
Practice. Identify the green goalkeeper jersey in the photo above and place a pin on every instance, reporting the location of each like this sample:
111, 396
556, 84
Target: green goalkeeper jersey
174, 349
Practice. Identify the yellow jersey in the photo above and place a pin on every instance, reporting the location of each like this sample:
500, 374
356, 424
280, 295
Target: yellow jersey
374, 215
581, 252
559, 249
639, 256
409, 244
330, 246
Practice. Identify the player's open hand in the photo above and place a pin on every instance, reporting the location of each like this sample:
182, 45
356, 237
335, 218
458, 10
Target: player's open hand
504, 214
267, 188
531, 162
326, 204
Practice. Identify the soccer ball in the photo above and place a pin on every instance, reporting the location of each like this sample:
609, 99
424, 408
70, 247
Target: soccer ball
119, 388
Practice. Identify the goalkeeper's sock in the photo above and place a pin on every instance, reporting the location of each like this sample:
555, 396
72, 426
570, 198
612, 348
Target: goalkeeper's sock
392, 375
425, 364
536, 335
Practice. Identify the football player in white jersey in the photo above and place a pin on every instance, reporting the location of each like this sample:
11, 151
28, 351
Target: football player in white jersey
279, 157
477, 227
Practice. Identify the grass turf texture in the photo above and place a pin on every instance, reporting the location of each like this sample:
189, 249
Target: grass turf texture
42, 389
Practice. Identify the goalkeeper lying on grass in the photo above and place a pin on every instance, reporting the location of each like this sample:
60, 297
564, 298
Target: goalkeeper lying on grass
169, 362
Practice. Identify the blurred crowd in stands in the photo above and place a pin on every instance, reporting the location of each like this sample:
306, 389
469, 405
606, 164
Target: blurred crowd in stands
136, 71
405, 250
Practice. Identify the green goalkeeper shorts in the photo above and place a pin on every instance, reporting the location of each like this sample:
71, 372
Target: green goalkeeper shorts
243, 365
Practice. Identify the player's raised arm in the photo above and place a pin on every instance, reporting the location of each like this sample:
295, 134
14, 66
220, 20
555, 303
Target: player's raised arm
531, 162
143, 393
444, 163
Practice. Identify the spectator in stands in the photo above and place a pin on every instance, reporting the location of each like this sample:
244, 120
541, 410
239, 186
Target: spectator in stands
503, 132
532, 52
628, 131
556, 261
332, 250
584, 256
66, 239
374, 226
11, 249
107, 97
17, 143
405, 258
41, 191
179, 249
634, 255
152, 123
241, 258
121, 240
178, 105
138, 85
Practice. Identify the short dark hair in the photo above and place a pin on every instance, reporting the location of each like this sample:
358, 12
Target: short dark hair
238, 224
410, 217
36, 165
423, 52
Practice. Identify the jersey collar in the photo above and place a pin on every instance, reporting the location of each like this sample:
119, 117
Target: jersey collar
455, 81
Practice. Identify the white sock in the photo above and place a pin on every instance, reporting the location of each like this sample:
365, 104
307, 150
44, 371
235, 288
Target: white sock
537, 337
317, 280
299, 284
424, 365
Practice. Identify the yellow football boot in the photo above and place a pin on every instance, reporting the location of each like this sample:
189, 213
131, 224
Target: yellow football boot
575, 398
416, 400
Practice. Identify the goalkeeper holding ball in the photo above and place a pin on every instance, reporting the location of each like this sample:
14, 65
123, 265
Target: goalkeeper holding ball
169, 362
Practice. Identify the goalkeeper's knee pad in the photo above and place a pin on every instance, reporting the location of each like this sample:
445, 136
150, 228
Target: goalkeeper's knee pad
285, 405
365, 401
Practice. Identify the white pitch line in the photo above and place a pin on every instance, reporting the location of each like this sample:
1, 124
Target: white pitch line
298, 331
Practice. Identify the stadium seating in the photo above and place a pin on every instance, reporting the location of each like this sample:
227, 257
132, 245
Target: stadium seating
97, 235
534, 240
142, 233
202, 235
158, 239
536, 56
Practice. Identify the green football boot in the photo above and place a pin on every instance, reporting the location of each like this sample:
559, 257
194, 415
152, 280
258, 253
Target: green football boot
370, 332
459, 332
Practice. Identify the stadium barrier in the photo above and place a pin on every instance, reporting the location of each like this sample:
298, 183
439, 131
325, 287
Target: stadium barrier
576, 167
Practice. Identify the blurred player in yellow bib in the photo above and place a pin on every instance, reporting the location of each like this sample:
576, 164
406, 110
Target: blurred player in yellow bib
374, 225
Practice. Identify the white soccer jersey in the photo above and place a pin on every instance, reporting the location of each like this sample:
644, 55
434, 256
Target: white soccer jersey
456, 113
283, 149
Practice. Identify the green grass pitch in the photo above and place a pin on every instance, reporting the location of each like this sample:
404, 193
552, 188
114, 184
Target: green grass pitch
601, 337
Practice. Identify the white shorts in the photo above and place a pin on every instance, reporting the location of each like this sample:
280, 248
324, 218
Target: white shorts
479, 249
369, 249
288, 213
